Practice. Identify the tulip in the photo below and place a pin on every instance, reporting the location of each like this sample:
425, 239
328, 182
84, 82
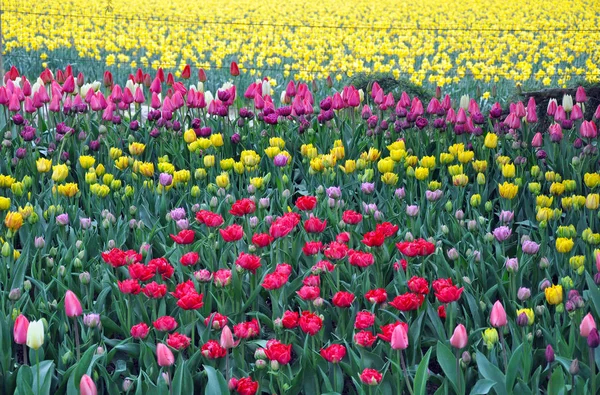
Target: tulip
459, 338
498, 315
20, 329
164, 355
87, 386
234, 70
72, 305
227, 341
587, 325
399, 339
35, 334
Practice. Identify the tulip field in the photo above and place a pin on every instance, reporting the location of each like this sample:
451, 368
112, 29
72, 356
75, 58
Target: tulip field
160, 238
430, 42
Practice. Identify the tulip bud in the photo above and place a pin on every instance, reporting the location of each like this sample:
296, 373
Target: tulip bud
84, 278
232, 384
260, 364
574, 368
127, 384
274, 365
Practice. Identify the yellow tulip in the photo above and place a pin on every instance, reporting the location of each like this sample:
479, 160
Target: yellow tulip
86, 161
554, 294
60, 173
43, 165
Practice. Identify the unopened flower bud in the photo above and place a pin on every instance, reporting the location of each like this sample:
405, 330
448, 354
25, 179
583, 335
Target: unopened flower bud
574, 368
14, 294
549, 353
84, 278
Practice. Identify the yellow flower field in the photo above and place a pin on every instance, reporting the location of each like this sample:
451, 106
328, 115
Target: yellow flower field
430, 41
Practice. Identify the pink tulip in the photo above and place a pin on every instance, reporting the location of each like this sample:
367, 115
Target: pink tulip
498, 315
587, 325
576, 113
588, 129
531, 111
227, 341
537, 141
598, 261
87, 386
72, 305
552, 107
399, 339
580, 95
164, 355
459, 338
20, 329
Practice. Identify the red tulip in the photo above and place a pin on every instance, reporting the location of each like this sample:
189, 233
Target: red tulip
310, 323
306, 203
232, 233
248, 261
371, 377
72, 305
290, 319
189, 258
234, 70
334, 353
178, 341
185, 236
87, 386
187, 72
245, 386
459, 338
201, 75
190, 301
418, 285
343, 299
351, 217
154, 290
20, 329
247, 330
364, 338
408, 301
213, 350
140, 331
279, 352
165, 323
315, 225
164, 355
364, 320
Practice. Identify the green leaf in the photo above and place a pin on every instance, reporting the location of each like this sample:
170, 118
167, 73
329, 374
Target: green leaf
557, 385
46, 371
594, 292
513, 366
491, 372
422, 375
216, 382
182, 380
482, 387
447, 361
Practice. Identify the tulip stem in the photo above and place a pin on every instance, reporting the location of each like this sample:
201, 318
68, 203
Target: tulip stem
458, 383
76, 325
37, 360
403, 364
503, 348
227, 365
593, 369
24, 354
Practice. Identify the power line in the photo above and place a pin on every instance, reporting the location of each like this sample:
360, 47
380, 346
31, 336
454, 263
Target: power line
130, 18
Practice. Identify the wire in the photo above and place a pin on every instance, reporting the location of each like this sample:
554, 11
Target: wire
298, 26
